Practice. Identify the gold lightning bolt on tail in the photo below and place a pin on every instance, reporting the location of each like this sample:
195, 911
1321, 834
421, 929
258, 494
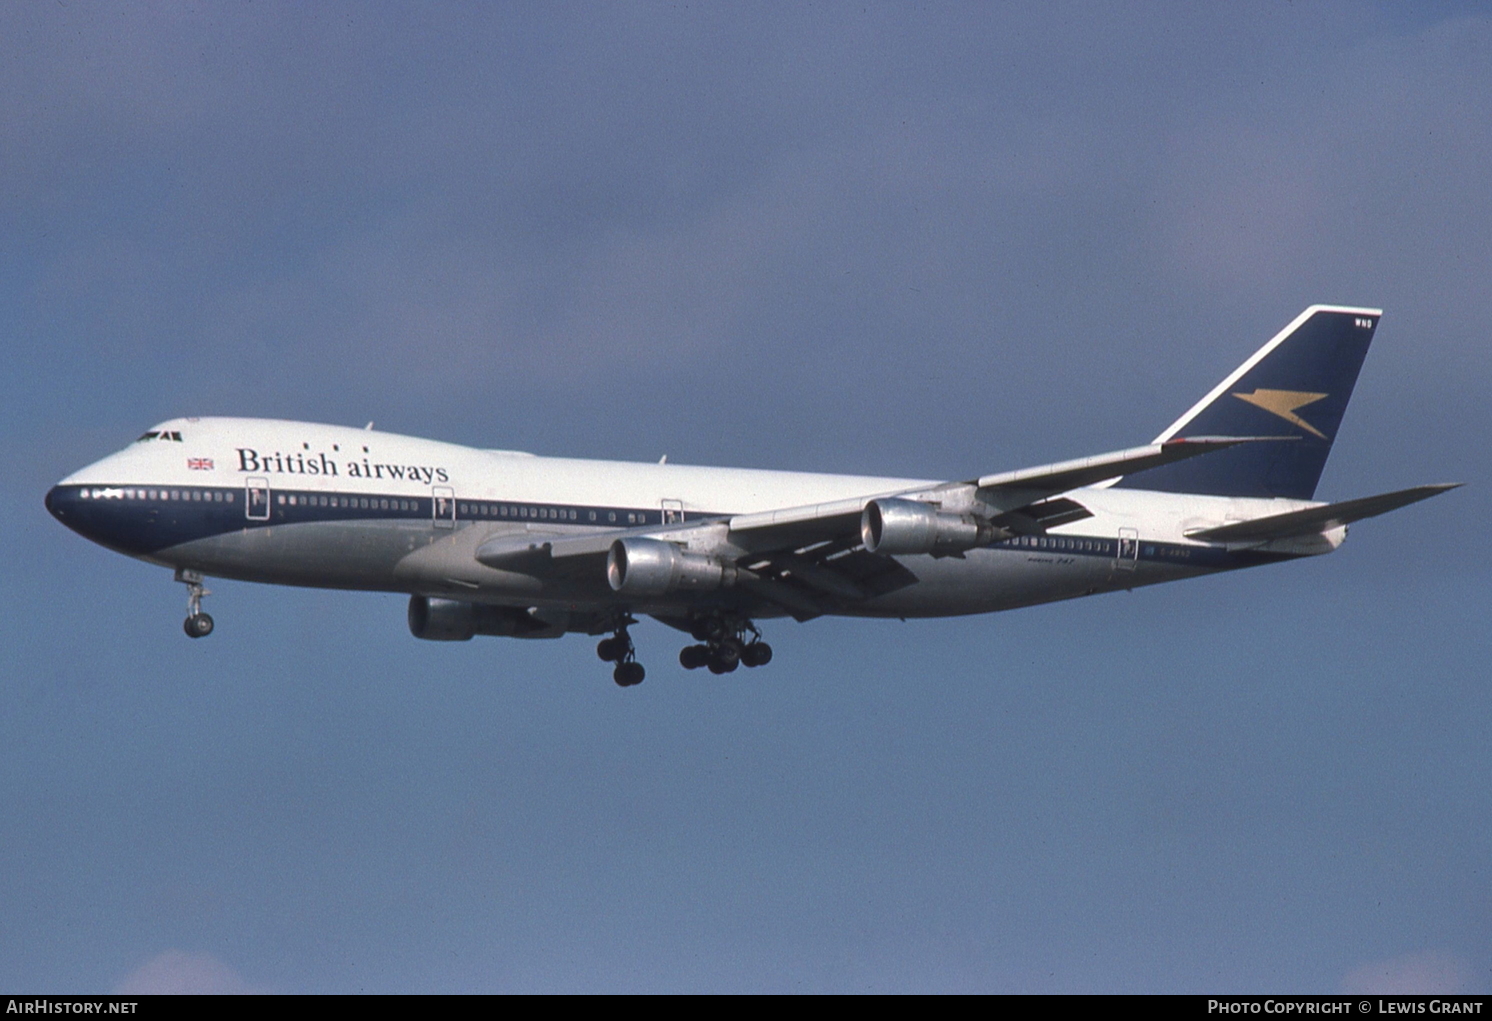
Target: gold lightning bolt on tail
1285, 403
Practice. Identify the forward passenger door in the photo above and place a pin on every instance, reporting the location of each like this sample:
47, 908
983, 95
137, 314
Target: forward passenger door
256, 499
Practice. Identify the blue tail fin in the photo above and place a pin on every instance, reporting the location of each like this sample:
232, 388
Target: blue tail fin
1296, 385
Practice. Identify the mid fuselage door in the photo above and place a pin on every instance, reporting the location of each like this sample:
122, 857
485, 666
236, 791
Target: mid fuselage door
673, 512
1128, 549
256, 499
443, 506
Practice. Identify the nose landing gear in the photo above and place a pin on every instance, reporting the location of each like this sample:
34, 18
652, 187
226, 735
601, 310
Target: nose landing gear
723, 646
619, 649
197, 623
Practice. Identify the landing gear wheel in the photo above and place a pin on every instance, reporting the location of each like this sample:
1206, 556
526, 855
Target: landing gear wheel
619, 649
728, 654
726, 643
757, 654
725, 657
197, 623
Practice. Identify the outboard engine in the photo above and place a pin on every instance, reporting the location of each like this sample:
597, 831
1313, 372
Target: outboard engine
455, 620
909, 527
652, 567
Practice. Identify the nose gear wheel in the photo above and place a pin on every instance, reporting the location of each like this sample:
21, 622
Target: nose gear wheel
197, 623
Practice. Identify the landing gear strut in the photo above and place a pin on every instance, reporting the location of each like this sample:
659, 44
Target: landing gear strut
197, 623
619, 649
724, 646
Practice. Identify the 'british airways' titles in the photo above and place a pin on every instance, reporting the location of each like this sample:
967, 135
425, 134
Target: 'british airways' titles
250, 460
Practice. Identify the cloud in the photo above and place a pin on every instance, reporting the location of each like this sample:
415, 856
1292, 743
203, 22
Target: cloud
180, 973
1431, 971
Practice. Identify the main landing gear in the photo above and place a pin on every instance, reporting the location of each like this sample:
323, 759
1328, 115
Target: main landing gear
724, 646
619, 649
197, 624
725, 643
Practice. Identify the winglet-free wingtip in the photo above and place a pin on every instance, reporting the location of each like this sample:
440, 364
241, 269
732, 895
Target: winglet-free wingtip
1223, 441
1433, 489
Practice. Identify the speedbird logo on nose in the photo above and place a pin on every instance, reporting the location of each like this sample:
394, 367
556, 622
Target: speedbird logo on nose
1285, 403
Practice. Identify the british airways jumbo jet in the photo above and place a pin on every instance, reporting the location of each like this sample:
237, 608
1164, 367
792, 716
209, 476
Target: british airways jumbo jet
495, 542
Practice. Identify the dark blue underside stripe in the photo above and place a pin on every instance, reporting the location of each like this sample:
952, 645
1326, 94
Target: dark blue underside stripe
141, 524
143, 519
1202, 557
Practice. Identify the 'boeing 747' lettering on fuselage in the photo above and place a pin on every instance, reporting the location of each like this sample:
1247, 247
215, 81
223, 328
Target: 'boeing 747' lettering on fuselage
490, 542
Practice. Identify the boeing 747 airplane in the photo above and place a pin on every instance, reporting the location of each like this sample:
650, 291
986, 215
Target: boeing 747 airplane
496, 542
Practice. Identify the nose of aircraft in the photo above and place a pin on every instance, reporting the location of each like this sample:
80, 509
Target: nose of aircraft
102, 520
54, 505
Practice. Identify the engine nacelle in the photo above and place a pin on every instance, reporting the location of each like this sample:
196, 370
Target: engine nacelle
909, 527
652, 567
455, 620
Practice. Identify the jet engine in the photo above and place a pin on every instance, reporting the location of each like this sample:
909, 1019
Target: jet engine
455, 620
907, 527
651, 567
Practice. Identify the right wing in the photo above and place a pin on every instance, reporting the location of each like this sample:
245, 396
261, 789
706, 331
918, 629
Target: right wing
1000, 494
808, 558
1012, 490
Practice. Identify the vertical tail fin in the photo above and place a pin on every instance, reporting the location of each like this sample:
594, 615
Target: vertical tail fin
1298, 384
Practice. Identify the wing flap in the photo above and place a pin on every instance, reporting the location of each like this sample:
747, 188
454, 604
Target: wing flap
1036, 518
1318, 519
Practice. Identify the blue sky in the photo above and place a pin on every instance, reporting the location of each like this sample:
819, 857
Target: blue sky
898, 239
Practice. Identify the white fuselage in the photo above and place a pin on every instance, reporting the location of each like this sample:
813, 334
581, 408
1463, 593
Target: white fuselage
289, 503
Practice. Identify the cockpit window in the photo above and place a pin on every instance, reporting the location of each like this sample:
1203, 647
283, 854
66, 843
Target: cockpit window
147, 436
174, 437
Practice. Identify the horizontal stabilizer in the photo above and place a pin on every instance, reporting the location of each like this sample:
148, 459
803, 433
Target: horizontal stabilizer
1318, 519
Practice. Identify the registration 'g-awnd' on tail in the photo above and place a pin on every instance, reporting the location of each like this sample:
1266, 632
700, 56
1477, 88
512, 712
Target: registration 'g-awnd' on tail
490, 542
